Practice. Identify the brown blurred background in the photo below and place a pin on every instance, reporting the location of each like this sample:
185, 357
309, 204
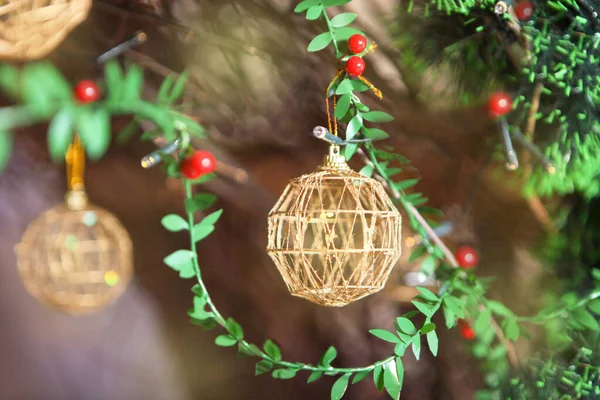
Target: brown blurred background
259, 94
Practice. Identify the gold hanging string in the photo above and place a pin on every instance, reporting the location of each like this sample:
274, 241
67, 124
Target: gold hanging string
75, 159
329, 124
339, 73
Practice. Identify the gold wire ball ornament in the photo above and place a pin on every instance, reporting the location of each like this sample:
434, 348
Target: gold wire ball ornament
75, 257
32, 29
334, 235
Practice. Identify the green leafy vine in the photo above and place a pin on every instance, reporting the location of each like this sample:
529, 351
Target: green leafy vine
460, 296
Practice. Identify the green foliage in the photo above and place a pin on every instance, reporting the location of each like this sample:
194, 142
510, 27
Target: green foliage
45, 95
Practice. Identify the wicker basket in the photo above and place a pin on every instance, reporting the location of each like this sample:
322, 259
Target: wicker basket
31, 29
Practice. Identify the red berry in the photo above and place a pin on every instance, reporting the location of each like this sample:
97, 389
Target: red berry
467, 257
87, 92
465, 330
188, 169
355, 66
357, 44
204, 161
499, 104
524, 10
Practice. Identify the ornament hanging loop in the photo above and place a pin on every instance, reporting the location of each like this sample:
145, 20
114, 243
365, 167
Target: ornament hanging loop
334, 161
76, 197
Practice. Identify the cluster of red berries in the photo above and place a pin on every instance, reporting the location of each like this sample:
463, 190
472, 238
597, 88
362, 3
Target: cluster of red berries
355, 65
200, 163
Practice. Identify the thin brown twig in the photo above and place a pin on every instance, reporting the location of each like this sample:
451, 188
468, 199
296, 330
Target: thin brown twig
510, 349
534, 202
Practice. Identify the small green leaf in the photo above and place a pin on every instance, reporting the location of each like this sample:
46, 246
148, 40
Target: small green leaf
400, 348
320, 42
367, 171
499, 308
60, 134
174, 223
427, 328
314, 376
262, 367
378, 377
343, 19
204, 178
406, 184
284, 373
244, 352
510, 327
212, 219
425, 308
406, 325
6, 143
417, 253
339, 387
345, 87
428, 294
163, 92
353, 127
594, 306
272, 350
235, 329
342, 106
377, 116
125, 134
455, 305
200, 201
225, 341
360, 376
359, 86
432, 341
206, 324
400, 371
482, 322
345, 32
305, 5
132, 85
385, 335
390, 379
181, 261
113, 76
416, 346
349, 150
314, 13
449, 317
201, 231
328, 357
178, 87
584, 318
376, 134
94, 129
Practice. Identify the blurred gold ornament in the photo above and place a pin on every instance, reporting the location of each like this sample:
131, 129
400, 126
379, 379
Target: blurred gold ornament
334, 235
32, 29
76, 257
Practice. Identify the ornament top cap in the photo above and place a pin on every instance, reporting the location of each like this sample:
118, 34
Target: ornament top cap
334, 161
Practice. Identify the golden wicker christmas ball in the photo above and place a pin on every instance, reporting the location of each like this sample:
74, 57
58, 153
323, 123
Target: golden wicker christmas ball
31, 29
76, 261
334, 235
